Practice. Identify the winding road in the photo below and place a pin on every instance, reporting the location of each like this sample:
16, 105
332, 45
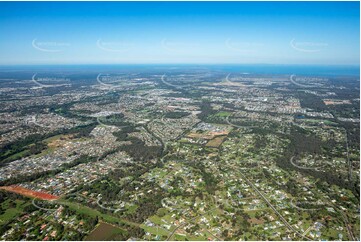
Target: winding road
43, 85
302, 167
41, 208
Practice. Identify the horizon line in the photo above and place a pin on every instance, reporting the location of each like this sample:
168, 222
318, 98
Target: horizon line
269, 64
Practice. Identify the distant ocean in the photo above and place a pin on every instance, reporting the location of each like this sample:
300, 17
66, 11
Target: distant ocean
317, 70
266, 69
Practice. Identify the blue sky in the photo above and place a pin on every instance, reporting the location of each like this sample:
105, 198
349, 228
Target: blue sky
325, 33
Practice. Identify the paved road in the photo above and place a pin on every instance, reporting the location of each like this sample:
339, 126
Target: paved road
273, 208
348, 159
347, 223
41, 208
106, 208
214, 236
308, 230
302, 167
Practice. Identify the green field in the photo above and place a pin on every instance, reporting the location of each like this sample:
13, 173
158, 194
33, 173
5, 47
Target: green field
223, 114
156, 230
12, 210
104, 231
319, 121
79, 208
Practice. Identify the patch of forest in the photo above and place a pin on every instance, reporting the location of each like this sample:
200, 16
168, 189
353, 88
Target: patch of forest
137, 149
303, 141
176, 114
311, 101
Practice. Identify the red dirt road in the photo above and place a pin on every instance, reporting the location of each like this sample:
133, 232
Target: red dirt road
29, 193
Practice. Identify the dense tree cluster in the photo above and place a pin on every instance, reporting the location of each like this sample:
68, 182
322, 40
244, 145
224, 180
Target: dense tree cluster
206, 110
176, 115
303, 141
137, 149
115, 119
311, 101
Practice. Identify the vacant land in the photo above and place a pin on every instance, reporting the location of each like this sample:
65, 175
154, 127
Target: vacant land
216, 142
29, 193
104, 231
